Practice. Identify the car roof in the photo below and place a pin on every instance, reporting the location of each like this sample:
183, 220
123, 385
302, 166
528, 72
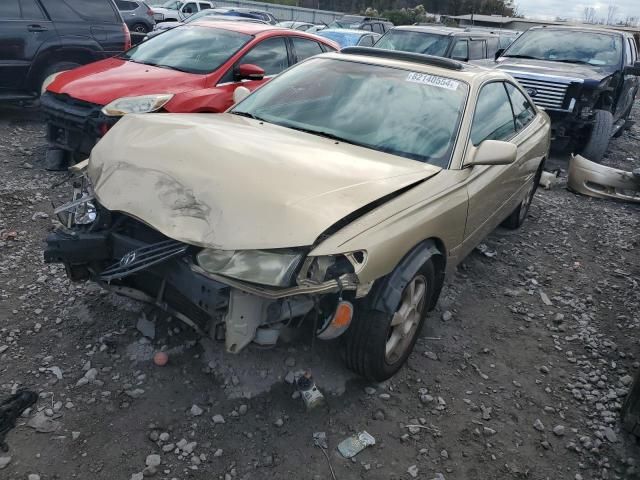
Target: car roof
450, 31
415, 62
249, 28
579, 28
346, 30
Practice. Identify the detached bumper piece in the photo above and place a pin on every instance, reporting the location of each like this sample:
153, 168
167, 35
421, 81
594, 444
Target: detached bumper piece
590, 178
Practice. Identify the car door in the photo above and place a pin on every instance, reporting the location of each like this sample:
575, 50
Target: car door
629, 84
491, 187
24, 28
271, 54
188, 9
477, 49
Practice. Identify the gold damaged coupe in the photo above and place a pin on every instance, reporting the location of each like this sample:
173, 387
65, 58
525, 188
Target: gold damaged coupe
338, 196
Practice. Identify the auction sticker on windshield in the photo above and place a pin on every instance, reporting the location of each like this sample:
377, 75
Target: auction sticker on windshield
433, 80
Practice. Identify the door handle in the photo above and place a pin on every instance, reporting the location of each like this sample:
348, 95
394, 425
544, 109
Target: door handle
37, 28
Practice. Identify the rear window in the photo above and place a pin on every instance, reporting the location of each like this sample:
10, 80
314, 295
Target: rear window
415, 42
191, 49
99, 11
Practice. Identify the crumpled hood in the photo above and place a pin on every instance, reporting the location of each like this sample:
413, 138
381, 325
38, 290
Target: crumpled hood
229, 182
556, 69
107, 80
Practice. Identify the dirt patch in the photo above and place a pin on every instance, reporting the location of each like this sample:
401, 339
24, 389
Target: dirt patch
524, 379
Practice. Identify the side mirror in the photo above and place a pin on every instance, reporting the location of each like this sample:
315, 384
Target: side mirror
248, 71
499, 53
633, 70
492, 152
240, 94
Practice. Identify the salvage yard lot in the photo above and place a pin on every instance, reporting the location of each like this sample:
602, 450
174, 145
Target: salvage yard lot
502, 385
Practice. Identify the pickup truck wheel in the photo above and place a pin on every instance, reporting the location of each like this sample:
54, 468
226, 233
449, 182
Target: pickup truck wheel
377, 343
631, 409
519, 215
600, 136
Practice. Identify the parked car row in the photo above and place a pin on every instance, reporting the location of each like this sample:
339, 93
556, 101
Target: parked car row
339, 195
194, 68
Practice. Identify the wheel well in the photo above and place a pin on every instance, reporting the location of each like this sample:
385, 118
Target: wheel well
81, 57
388, 289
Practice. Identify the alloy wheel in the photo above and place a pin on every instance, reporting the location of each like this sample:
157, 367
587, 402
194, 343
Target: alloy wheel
405, 321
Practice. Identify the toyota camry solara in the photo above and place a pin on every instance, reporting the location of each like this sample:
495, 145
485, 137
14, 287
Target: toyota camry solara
338, 196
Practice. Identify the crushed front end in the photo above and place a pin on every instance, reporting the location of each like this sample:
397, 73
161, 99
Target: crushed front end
235, 296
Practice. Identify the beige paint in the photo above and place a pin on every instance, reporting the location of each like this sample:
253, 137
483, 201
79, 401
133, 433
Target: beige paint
600, 181
228, 182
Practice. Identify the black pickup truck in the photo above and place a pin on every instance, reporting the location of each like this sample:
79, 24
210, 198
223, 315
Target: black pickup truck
586, 79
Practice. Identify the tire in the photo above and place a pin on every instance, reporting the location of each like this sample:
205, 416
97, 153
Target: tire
631, 409
600, 136
365, 343
519, 215
140, 28
55, 68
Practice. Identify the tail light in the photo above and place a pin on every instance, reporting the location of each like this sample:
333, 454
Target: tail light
127, 37
149, 12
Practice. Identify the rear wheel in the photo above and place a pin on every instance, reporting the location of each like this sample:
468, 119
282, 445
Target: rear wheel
631, 409
140, 28
519, 215
600, 136
378, 343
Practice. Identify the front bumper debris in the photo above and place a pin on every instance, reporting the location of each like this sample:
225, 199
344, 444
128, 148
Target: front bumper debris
590, 178
163, 273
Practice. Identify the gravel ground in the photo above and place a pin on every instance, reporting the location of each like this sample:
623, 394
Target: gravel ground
520, 372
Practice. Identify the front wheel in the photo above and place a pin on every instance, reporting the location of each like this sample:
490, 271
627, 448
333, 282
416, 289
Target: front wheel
600, 136
378, 343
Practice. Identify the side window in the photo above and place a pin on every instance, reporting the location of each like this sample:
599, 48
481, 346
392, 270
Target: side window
305, 48
190, 8
628, 58
523, 111
493, 119
204, 6
124, 5
89, 10
9, 9
377, 27
460, 50
270, 55
31, 10
366, 41
476, 50
367, 27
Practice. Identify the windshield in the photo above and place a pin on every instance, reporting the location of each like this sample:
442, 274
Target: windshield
416, 42
172, 5
571, 46
191, 49
390, 110
347, 22
344, 39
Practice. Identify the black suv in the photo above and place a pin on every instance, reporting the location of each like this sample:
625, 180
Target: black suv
359, 22
586, 79
448, 42
41, 37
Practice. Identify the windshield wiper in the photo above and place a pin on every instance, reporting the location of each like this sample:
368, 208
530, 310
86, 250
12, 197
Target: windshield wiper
523, 56
320, 133
572, 60
248, 115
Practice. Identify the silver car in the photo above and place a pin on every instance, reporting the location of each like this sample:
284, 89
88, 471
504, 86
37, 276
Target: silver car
137, 15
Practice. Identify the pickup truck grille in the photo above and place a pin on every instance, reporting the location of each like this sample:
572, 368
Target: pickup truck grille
549, 94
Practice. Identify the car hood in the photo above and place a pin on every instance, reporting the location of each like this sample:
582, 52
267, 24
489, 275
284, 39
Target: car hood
544, 67
104, 81
164, 11
229, 182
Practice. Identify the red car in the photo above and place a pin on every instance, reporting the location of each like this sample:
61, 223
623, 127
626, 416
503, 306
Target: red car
192, 68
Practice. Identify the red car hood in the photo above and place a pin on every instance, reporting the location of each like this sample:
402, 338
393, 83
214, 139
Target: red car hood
104, 81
